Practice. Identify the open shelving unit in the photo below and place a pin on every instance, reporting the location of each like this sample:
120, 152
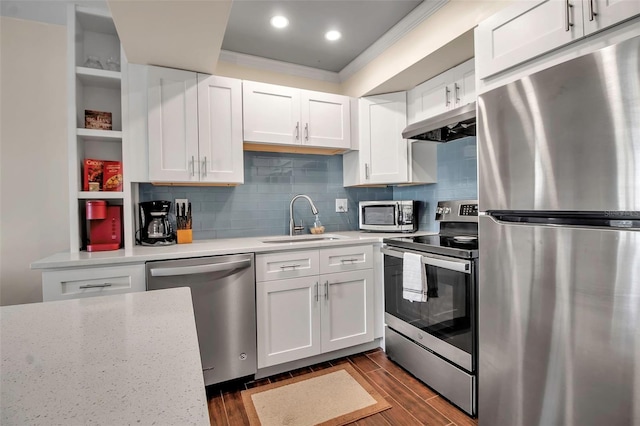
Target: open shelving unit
91, 32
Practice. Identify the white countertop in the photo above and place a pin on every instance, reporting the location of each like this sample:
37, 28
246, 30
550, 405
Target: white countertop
113, 360
139, 254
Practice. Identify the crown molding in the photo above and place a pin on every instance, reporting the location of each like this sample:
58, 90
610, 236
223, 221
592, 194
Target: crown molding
402, 28
265, 64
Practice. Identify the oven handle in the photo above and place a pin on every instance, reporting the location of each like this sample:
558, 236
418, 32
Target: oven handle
463, 266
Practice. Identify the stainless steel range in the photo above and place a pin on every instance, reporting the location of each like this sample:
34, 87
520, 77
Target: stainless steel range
435, 337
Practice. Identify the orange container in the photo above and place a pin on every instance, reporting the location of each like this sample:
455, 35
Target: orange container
185, 236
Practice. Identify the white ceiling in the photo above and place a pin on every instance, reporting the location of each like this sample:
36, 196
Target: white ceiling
361, 23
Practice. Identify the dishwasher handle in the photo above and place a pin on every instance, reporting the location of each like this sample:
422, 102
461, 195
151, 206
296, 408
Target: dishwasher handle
200, 269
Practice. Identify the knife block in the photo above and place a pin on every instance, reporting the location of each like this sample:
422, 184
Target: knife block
185, 236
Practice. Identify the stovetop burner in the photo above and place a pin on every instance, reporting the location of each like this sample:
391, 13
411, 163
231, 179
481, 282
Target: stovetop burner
458, 232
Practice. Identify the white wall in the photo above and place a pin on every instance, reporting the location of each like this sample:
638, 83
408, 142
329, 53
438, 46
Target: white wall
34, 212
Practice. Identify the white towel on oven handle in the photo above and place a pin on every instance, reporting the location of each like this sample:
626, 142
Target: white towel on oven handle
414, 278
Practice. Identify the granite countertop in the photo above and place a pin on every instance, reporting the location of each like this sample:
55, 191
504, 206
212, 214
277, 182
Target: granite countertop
139, 254
122, 359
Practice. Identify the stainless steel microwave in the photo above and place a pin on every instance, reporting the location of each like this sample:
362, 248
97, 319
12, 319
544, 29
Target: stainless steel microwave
388, 216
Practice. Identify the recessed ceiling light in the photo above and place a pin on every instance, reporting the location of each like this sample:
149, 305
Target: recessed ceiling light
332, 35
279, 21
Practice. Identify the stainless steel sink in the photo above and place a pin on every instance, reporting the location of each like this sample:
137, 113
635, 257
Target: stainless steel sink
303, 239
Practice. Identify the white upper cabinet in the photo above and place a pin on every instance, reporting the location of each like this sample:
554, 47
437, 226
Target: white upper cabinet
451, 89
271, 113
326, 120
173, 125
287, 116
384, 157
600, 14
532, 28
526, 30
382, 149
220, 129
195, 130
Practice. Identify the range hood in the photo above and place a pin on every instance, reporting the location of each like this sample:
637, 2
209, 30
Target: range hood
448, 126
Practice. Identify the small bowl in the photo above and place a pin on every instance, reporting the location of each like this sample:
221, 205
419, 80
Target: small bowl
317, 230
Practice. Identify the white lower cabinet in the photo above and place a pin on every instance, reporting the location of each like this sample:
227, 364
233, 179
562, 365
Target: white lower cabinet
89, 282
306, 316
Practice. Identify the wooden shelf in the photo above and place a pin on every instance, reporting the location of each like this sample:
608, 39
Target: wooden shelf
99, 78
100, 195
100, 135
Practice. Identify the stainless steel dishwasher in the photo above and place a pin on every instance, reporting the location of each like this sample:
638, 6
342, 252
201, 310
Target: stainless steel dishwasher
224, 302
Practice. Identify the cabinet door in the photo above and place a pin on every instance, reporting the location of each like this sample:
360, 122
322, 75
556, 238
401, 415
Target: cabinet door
526, 30
271, 113
383, 152
325, 120
430, 98
288, 316
464, 86
347, 309
599, 14
220, 129
173, 125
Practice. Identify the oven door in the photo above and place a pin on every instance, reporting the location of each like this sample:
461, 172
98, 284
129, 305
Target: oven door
446, 323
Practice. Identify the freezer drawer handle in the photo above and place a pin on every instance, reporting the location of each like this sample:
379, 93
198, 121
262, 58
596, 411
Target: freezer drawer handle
453, 265
95, 285
200, 269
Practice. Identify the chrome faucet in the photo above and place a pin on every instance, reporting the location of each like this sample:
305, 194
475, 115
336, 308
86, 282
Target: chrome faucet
293, 229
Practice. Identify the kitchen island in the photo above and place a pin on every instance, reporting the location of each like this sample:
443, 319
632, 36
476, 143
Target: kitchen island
121, 359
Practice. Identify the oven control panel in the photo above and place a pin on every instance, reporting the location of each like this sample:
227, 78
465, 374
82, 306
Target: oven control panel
457, 211
468, 210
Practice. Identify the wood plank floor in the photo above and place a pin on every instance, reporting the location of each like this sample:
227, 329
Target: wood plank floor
413, 403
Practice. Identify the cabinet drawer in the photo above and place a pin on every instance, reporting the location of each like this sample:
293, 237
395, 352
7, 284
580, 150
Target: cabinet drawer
342, 259
277, 266
88, 282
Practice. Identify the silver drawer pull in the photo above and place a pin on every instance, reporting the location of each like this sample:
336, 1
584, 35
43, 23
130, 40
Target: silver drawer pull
95, 285
289, 266
348, 260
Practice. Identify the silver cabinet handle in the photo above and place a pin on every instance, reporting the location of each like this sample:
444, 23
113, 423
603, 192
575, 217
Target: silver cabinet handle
457, 92
366, 171
326, 290
453, 265
297, 130
193, 166
290, 266
317, 296
200, 269
348, 260
204, 167
567, 9
95, 285
306, 131
446, 95
592, 12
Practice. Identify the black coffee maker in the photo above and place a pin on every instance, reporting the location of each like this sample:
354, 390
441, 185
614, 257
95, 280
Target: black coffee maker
155, 227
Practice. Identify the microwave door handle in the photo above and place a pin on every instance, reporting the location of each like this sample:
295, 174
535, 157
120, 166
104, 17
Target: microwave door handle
398, 216
450, 264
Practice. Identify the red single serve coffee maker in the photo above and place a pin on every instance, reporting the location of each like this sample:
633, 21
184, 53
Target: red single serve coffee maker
104, 226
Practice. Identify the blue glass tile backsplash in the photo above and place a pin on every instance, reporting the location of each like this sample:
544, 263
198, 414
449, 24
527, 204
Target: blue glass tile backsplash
260, 207
457, 180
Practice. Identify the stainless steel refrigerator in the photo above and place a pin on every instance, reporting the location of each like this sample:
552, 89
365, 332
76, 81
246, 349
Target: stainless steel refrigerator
559, 281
